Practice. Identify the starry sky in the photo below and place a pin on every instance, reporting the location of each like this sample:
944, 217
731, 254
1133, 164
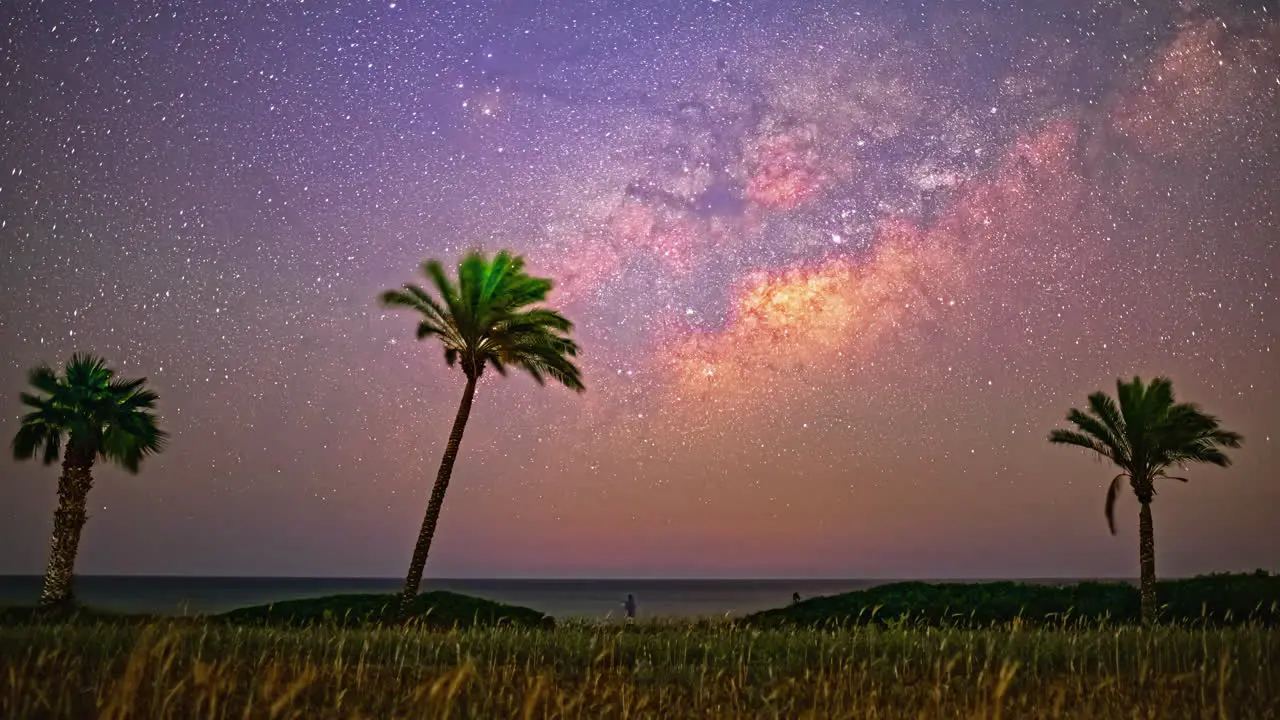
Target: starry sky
837, 269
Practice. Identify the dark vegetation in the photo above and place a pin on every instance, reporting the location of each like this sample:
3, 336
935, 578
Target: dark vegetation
69, 615
1215, 600
1211, 600
436, 610
431, 610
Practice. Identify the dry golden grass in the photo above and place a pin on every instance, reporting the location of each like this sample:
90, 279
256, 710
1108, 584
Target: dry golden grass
194, 671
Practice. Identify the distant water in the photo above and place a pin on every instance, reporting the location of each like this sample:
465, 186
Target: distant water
559, 598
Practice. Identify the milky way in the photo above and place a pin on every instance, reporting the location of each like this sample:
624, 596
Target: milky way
837, 269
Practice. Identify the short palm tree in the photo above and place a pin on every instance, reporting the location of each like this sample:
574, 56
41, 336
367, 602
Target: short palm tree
486, 320
1144, 436
96, 415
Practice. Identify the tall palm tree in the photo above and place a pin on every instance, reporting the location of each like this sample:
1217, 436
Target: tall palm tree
1145, 436
97, 415
486, 320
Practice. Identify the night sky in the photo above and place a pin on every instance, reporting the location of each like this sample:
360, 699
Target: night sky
837, 269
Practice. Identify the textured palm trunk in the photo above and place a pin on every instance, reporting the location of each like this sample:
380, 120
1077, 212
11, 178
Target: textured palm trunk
68, 521
414, 579
1147, 560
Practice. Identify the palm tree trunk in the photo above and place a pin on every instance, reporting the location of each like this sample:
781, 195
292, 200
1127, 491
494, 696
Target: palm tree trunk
414, 579
68, 521
1147, 560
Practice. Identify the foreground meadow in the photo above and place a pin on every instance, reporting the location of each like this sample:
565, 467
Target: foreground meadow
210, 670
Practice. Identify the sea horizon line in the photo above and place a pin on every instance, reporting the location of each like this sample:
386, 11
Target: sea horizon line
638, 578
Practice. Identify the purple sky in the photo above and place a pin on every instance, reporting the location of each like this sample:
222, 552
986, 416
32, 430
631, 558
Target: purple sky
837, 270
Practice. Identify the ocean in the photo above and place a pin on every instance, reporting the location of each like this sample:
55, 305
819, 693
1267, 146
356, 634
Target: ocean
597, 599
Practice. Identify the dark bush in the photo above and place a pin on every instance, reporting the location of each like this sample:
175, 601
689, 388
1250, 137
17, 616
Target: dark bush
437, 610
1211, 599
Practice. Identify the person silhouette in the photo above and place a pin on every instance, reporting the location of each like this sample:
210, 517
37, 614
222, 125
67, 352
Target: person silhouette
795, 597
630, 605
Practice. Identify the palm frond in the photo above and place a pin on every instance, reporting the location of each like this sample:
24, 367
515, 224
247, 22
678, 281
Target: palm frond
1113, 491
534, 371
138, 400
52, 447
1116, 449
498, 365
415, 298
43, 378
428, 304
126, 388
426, 328
493, 277
28, 439
1105, 411
403, 297
1225, 438
90, 408
436, 321
128, 442
445, 288
489, 318
1131, 396
540, 318
550, 359
1158, 396
1079, 439
528, 291
1153, 433
474, 275
1202, 454
33, 401
86, 371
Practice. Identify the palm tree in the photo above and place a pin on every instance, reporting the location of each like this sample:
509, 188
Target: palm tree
486, 320
1145, 436
98, 415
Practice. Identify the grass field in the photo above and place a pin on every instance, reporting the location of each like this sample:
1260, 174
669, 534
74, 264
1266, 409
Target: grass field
213, 670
